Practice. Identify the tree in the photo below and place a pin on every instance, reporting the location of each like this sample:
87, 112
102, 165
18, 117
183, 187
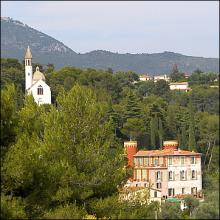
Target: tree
175, 75
8, 117
160, 133
192, 139
161, 87
58, 162
170, 211
12, 208
133, 127
68, 211
132, 106
183, 142
153, 130
191, 204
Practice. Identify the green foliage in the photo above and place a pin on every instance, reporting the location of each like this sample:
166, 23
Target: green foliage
66, 160
12, 208
192, 139
198, 77
67, 211
132, 106
57, 156
191, 204
170, 211
8, 117
133, 128
112, 208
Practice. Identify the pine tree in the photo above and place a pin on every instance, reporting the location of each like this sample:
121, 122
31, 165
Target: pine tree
132, 108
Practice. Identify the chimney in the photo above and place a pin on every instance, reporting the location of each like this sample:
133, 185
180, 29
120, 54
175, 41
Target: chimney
130, 148
173, 144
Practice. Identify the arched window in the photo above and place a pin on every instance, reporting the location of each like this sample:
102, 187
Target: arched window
40, 90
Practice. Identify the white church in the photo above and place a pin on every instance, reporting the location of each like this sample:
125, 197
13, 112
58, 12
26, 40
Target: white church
35, 84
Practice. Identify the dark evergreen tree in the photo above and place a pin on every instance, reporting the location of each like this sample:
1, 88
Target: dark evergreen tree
132, 106
192, 139
160, 133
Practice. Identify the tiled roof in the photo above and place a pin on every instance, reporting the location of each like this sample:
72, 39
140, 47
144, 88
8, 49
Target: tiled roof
164, 152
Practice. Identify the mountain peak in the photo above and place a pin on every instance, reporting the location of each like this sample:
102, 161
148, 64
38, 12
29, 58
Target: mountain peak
16, 36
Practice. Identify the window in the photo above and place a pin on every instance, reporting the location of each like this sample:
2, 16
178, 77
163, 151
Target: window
182, 175
156, 161
193, 190
40, 90
170, 175
144, 174
141, 161
158, 185
145, 161
155, 194
193, 160
182, 160
158, 175
193, 174
183, 190
171, 192
138, 174
170, 160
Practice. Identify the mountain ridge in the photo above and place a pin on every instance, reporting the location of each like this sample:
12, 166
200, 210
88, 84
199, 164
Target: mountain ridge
16, 36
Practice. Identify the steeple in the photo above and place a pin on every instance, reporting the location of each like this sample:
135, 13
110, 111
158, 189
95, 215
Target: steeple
28, 54
28, 68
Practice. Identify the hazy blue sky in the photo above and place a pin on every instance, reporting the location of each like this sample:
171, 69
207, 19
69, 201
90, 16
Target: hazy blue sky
190, 28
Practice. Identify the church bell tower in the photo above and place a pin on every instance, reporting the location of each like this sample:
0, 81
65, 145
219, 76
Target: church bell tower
28, 69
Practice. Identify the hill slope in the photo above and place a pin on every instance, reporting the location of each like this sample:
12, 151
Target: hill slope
16, 36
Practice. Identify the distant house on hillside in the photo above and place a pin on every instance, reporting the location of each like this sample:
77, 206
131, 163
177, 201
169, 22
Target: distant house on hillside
145, 77
163, 77
181, 86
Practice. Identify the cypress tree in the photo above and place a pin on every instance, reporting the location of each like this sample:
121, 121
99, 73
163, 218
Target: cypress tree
183, 138
192, 139
154, 131
161, 133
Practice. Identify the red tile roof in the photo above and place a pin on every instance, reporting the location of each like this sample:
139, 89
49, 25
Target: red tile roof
164, 152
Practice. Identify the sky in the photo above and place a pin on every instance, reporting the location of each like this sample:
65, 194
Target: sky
190, 28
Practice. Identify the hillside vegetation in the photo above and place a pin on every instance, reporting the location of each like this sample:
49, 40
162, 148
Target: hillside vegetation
66, 160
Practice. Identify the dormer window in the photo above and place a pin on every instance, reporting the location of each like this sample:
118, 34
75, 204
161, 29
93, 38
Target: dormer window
40, 90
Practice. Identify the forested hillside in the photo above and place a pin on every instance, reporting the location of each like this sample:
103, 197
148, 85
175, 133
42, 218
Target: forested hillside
66, 160
16, 36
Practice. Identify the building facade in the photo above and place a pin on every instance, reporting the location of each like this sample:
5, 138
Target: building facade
173, 171
181, 86
35, 84
162, 77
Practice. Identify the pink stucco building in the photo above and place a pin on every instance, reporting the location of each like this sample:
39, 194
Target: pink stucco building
173, 171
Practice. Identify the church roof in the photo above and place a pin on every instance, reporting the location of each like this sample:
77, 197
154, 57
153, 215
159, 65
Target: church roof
28, 54
38, 75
